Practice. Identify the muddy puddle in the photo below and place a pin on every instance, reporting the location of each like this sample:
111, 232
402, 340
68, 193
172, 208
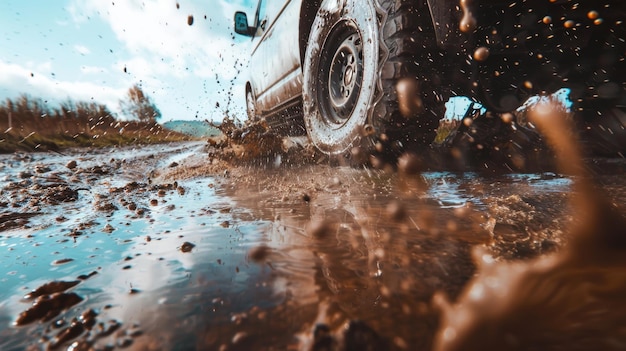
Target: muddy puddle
151, 252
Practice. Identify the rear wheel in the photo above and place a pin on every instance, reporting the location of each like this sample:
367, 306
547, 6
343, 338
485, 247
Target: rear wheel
250, 106
357, 83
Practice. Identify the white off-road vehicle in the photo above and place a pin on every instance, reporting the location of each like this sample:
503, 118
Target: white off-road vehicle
366, 72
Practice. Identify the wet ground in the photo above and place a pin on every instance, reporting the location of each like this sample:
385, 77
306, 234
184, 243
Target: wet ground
167, 248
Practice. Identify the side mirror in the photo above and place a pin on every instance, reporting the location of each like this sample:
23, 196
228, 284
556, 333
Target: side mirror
241, 24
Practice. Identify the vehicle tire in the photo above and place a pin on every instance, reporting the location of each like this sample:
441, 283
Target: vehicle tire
359, 56
250, 106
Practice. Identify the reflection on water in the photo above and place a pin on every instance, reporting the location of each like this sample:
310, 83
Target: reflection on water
341, 245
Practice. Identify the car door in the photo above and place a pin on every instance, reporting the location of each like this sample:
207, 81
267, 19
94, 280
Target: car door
275, 65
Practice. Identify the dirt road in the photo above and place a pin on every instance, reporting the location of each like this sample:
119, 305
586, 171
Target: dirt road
167, 248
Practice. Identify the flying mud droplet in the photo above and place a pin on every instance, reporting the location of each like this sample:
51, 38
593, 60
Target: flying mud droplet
187, 247
358, 155
396, 211
547, 20
569, 24
507, 118
259, 253
592, 15
481, 54
528, 85
409, 164
190, 20
320, 229
468, 22
409, 100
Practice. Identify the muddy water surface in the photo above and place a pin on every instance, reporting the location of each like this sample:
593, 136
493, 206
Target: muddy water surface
251, 257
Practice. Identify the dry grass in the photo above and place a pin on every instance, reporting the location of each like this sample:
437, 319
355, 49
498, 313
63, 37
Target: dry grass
29, 124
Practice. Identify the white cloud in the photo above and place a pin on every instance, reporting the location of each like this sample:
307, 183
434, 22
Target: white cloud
83, 50
19, 78
185, 68
158, 29
93, 69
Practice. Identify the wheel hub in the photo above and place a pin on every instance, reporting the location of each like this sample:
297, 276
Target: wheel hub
344, 73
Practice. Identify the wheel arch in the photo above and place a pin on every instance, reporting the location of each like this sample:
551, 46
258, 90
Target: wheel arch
308, 11
249, 88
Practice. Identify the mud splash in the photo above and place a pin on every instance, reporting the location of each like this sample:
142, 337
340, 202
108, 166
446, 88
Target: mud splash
187, 250
568, 300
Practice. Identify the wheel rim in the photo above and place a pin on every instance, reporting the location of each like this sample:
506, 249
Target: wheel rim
341, 73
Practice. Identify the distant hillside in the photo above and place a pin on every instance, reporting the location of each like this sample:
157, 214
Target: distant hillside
198, 129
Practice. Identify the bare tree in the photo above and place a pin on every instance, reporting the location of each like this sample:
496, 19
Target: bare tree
139, 105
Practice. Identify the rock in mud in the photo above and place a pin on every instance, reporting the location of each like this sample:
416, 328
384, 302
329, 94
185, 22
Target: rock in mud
51, 288
47, 307
24, 175
42, 169
88, 318
105, 207
72, 164
54, 195
73, 331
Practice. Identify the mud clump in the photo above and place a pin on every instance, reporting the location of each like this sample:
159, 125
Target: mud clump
47, 307
72, 164
12, 220
558, 301
63, 260
75, 329
51, 288
57, 194
321, 229
257, 143
356, 335
259, 253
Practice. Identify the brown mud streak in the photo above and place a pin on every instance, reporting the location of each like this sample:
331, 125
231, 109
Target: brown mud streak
571, 299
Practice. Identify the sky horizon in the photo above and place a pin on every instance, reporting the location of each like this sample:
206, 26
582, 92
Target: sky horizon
95, 50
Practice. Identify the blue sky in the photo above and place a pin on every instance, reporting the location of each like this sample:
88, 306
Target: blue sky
97, 49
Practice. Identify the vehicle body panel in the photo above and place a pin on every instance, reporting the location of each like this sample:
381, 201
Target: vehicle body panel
276, 79
512, 31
